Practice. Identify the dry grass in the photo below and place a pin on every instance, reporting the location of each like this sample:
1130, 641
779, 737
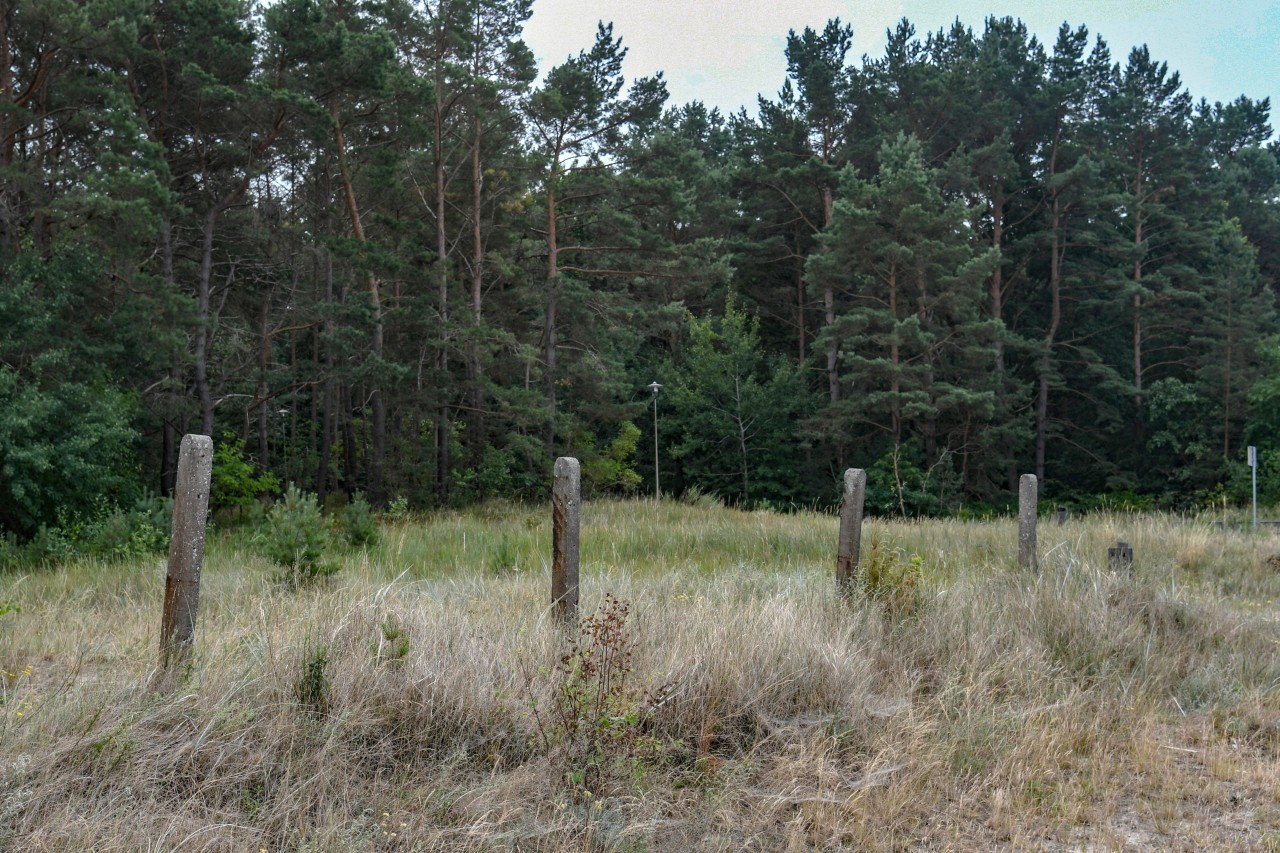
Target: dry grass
1069, 710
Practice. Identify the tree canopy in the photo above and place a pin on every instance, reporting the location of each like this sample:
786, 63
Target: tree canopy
366, 242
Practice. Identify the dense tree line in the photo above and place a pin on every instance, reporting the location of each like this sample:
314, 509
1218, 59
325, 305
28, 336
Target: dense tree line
360, 242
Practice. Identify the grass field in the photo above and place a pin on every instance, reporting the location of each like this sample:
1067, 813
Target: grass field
728, 699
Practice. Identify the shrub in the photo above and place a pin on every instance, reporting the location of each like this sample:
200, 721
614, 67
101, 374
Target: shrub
394, 647
503, 561
10, 552
295, 538
312, 687
105, 531
610, 470
67, 425
234, 485
358, 523
892, 579
398, 509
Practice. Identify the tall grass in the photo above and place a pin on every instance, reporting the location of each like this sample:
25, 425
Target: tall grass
404, 704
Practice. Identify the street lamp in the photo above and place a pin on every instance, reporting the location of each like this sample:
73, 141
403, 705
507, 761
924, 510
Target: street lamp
657, 488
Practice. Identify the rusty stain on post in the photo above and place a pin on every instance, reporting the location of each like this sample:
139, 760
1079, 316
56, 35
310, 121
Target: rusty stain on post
1028, 499
566, 502
186, 550
855, 490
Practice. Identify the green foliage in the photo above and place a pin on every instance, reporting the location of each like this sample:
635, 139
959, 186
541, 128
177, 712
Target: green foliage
67, 434
358, 524
735, 411
892, 579
11, 554
1181, 444
898, 484
597, 721
296, 537
395, 644
311, 688
234, 484
398, 509
514, 472
611, 470
503, 561
1262, 430
106, 531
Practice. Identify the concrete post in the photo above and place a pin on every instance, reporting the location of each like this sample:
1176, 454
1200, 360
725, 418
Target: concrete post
566, 503
186, 550
1027, 500
850, 547
1120, 557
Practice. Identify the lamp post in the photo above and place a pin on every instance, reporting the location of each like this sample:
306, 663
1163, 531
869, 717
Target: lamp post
657, 488
1253, 464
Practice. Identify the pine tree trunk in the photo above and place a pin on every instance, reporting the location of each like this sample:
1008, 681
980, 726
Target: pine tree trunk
443, 436
371, 282
1057, 249
201, 343
553, 276
475, 369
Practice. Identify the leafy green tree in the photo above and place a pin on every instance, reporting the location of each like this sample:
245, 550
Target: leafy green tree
734, 411
67, 434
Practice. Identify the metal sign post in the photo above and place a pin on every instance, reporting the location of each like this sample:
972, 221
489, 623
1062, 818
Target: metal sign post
657, 483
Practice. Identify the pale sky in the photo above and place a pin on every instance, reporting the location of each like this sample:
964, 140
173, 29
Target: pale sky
725, 52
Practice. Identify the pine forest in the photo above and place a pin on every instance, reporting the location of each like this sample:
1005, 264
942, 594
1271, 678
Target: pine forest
370, 248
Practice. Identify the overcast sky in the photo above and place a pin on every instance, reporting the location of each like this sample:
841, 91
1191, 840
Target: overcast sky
725, 52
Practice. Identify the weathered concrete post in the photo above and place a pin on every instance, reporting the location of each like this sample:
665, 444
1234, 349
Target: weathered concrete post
1027, 500
1120, 558
566, 503
855, 491
186, 550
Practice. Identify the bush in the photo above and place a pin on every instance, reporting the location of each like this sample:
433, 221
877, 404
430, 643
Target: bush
398, 509
105, 531
503, 559
296, 537
610, 470
358, 523
892, 579
10, 552
234, 484
67, 424
515, 472
312, 687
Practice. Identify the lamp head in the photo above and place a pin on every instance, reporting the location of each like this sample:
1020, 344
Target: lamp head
654, 387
